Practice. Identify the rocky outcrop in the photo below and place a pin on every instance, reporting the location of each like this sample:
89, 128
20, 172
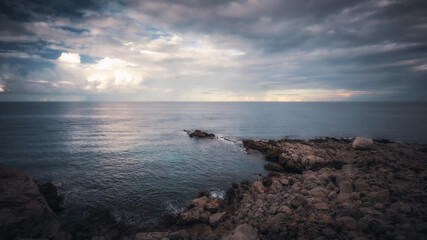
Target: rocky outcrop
199, 134
334, 191
24, 212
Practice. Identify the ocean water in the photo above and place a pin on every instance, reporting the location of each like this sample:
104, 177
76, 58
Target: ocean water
136, 159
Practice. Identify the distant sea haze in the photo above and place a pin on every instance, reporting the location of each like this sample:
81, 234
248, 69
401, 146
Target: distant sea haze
136, 158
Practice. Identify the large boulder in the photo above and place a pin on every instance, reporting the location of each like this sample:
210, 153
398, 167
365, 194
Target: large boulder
24, 212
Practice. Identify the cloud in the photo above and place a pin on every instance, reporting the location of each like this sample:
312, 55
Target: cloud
216, 50
72, 58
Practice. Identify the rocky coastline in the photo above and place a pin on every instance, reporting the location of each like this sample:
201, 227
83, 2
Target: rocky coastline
316, 189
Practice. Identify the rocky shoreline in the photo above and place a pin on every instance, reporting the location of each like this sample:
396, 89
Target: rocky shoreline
316, 189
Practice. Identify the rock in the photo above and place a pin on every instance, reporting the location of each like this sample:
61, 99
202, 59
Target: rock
256, 145
151, 235
286, 210
378, 226
50, 193
361, 143
273, 167
190, 216
199, 134
321, 206
199, 202
291, 163
345, 187
212, 205
258, 187
214, 219
298, 201
273, 154
24, 212
243, 232
379, 206
381, 196
346, 223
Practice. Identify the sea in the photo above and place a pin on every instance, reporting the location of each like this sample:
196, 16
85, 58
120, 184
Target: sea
136, 159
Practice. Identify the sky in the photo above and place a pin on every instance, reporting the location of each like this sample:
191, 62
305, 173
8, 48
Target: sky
213, 50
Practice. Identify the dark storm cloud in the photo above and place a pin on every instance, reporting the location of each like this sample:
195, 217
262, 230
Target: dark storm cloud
377, 46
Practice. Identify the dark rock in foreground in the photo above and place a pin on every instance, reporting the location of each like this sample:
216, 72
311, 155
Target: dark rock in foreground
199, 134
50, 193
24, 212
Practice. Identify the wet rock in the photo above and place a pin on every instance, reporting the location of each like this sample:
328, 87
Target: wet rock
199, 134
362, 143
24, 212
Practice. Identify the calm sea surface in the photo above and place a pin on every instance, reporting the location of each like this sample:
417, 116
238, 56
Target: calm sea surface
135, 157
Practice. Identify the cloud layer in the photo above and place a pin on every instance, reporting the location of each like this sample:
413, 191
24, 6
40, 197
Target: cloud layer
242, 50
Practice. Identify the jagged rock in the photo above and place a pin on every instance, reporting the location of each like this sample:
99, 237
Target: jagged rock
199, 134
24, 212
243, 232
362, 143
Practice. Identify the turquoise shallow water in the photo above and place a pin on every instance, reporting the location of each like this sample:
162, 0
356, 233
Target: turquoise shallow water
135, 157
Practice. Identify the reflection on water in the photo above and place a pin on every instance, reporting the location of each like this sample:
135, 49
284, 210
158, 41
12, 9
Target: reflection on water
135, 157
